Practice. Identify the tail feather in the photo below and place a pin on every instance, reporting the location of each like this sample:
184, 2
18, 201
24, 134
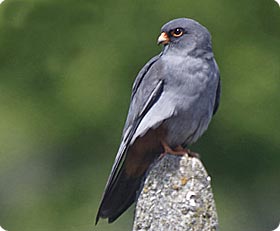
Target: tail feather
119, 197
127, 173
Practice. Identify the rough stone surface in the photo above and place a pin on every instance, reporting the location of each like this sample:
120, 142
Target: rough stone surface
176, 196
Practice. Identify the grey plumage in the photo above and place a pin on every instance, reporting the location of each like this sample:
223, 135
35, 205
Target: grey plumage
178, 90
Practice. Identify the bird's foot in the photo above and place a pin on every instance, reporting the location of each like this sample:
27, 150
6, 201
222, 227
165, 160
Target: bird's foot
178, 151
193, 154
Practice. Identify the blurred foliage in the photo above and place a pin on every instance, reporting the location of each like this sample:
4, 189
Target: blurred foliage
66, 71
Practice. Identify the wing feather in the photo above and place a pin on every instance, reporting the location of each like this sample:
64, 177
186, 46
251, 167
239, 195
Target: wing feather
135, 116
129, 134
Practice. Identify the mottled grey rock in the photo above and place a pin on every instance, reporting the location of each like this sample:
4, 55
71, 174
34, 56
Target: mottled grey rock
176, 196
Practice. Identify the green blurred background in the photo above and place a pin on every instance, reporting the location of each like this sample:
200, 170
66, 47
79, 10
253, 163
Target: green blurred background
66, 71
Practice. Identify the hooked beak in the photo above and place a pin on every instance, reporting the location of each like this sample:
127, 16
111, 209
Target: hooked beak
163, 38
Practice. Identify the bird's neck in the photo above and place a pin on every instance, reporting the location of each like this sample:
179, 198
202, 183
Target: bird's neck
190, 51
202, 53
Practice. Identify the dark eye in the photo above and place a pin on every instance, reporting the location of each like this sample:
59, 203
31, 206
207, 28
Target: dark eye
177, 32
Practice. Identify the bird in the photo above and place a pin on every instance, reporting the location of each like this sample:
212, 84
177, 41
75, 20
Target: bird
173, 100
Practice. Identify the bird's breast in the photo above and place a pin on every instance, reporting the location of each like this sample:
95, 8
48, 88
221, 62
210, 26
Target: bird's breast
190, 91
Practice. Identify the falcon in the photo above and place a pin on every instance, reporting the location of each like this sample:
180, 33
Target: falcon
173, 100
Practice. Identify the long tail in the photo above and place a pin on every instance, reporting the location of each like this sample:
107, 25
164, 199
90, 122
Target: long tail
127, 173
119, 197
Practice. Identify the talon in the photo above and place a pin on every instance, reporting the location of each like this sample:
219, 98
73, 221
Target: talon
178, 151
193, 154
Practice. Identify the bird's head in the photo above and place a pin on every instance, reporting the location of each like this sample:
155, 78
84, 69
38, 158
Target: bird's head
184, 34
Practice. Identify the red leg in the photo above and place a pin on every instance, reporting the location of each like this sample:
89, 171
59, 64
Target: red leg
179, 151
